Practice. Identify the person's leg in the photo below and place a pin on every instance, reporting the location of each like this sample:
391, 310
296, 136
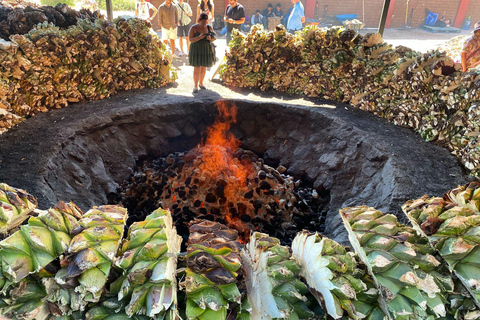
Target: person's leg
229, 37
180, 37
196, 77
165, 36
173, 37
180, 40
188, 43
172, 45
203, 71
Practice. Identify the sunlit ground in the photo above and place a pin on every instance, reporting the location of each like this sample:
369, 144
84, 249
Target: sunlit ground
417, 39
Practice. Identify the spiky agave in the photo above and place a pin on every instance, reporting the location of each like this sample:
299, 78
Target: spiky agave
149, 262
401, 262
452, 226
15, 206
335, 279
38, 243
213, 265
273, 285
89, 258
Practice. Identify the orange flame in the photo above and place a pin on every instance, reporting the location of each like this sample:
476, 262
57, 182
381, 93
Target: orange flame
219, 162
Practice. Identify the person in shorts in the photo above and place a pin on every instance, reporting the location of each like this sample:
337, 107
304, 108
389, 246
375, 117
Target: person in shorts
168, 20
184, 13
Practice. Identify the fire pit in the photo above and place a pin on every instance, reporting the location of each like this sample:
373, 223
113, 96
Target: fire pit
344, 156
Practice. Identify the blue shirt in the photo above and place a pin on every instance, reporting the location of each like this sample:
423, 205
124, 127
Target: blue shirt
295, 18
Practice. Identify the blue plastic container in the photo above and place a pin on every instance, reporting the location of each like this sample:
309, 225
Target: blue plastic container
345, 17
431, 18
467, 24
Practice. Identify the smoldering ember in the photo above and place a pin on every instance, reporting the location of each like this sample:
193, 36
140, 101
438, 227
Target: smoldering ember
232, 203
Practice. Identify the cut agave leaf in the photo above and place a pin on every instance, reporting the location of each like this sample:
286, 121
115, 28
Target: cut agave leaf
271, 278
335, 278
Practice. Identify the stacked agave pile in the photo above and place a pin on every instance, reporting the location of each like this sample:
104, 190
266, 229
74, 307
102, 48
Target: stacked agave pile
66, 264
49, 67
18, 3
426, 92
19, 20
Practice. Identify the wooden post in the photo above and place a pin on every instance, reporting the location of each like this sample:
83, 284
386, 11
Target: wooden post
461, 13
383, 19
109, 10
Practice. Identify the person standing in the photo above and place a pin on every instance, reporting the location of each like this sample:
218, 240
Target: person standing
471, 50
200, 54
208, 7
142, 10
168, 20
296, 18
185, 12
234, 17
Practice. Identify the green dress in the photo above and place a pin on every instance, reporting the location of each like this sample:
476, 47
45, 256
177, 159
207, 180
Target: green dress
200, 53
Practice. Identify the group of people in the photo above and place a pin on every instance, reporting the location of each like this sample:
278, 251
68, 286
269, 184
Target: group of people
263, 17
175, 20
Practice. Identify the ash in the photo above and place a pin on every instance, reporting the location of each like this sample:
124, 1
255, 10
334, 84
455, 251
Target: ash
263, 199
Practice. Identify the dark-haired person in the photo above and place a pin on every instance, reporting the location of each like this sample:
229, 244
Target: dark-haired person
268, 13
257, 18
471, 50
234, 17
200, 52
208, 7
278, 10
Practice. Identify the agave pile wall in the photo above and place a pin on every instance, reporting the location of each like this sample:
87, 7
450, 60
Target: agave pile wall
50, 68
425, 92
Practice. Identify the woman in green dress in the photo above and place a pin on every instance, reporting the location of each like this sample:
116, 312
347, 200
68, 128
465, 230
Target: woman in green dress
200, 52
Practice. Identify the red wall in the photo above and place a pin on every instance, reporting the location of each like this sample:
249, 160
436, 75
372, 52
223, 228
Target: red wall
373, 9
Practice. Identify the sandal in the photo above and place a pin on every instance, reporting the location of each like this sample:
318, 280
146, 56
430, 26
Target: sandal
203, 88
195, 90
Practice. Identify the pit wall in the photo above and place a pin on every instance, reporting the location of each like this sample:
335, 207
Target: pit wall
84, 154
